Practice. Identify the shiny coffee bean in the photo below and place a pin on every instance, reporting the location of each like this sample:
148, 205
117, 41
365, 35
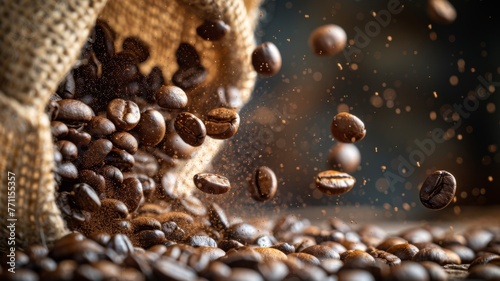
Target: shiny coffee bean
212, 30
79, 138
68, 150
270, 254
151, 128
222, 123
190, 128
121, 244
172, 231
112, 176
465, 253
58, 129
96, 153
171, 97
408, 271
201, 240
305, 258
124, 114
328, 40
357, 259
242, 232
266, 59
120, 159
484, 272
100, 237
389, 242
433, 254
74, 111
67, 170
384, 256
284, 247
188, 78
137, 46
100, 126
230, 97
263, 185
347, 128
148, 185
435, 271
438, 190
103, 45
66, 88
125, 141
344, 157
441, 11
332, 182
212, 183
404, 251
130, 193
86, 198
321, 252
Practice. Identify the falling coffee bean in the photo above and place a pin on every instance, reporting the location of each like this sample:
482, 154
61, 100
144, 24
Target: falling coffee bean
222, 123
212, 183
136, 46
124, 114
151, 128
328, 40
333, 182
171, 97
212, 30
438, 190
266, 59
264, 185
347, 128
190, 128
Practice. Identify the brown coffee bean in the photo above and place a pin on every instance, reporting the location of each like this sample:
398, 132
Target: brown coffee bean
438, 190
121, 244
79, 138
266, 59
344, 157
404, 251
148, 238
201, 240
190, 128
407, 271
264, 184
169, 269
100, 237
172, 231
145, 223
347, 128
441, 11
328, 40
96, 153
270, 254
416, 235
284, 247
212, 30
189, 77
69, 151
332, 182
130, 193
305, 258
73, 111
187, 56
433, 254
171, 97
242, 232
67, 170
86, 198
217, 216
112, 176
125, 114
103, 45
321, 252
435, 271
222, 123
190, 205
58, 129
465, 253
120, 159
100, 126
389, 242
112, 209
137, 46
384, 256
151, 128
212, 183
357, 259
118, 72
125, 141
484, 272
148, 185
478, 238
85, 250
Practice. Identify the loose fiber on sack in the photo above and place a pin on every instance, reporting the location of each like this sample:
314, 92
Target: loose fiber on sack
40, 42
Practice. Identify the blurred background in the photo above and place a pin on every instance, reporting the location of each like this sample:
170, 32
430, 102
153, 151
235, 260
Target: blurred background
412, 78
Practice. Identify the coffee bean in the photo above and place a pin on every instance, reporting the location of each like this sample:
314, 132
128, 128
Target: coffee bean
152, 83
328, 40
344, 157
190, 128
404, 251
112, 209
125, 114
145, 163
465, 253
484, 272
478, 238
305, 258
67, 170
148, 185
201, 240
86, 198
151, 128
284, 247
145, 223
125, 141
118, 72
212, 30
96, 153
100, 126
112, 176
68, 150
266, 59
321, 252
434, 254
130, 193
189, 77
137, 46
241, 232
332, 182
171, 97
74, 112
354, 274
79, 138
416, 235
58, 129
347, 128
222, 123
441, 11
270, 254
357, 259
389, 242
191, 205
408, 270
264, 184
168, 269
438, 190
187, 56
212, 183
384, 256
120, 159
103, 45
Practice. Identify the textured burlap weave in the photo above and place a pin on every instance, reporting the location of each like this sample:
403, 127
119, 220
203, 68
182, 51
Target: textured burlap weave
40, 41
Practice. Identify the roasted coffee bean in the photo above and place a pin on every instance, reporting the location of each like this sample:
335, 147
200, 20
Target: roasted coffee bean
172, 231
242, 232
407, 271
137, 46
120, 159
270, 254
171, 97
68, 150
100, 126
66, 88
169, 269
73, 111
96, 153
151, 128
212, 183
52, 108
484, 272
433, 254
125, 64
85, 250
478, 238
190, 128
347, 128
222, 123
121, 244
112, 176
86, 198
435, 271
67, 170
148, 238
103, 45
152, 83
344, 157
350, 274
404, 251
416, 235
321, 252
264, 184
217, 216
302, 242
125, 114
130, 193
266, 59
201, 240
332, 182
227, 245
188, 78
112, 209
465, 253
305, 258
384, 256
284, 247
100, 237
21, 274
441, 11
357, 259
58, 129
145, 223
187, 56
79, 138
482, 259
328, 40
212, 30
148, 185
389, 242
190, 205
438, 190
125, 141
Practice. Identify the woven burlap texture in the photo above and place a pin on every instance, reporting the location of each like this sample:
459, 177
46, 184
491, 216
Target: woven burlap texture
40, 42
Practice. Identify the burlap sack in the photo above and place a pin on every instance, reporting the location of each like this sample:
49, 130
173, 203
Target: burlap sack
40, 41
